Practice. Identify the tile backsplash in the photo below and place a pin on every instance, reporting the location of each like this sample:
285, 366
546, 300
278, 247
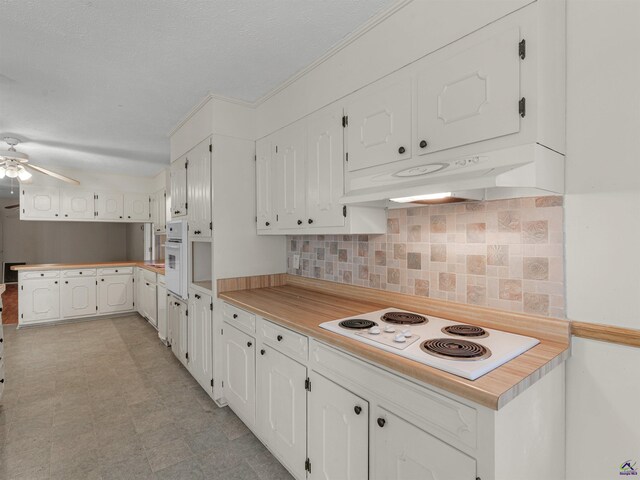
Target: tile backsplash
506, 254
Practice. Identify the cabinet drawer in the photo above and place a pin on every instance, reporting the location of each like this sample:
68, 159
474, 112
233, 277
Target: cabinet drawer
239, 318
115, 271
149, 276
284, 340
79, 273
34, 275
444, 417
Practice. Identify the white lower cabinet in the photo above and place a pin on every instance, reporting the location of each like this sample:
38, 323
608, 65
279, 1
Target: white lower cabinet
281, 403
402, 451
115, 293
338, 423
178, 321
239, 375
39, 299
162, 300
201, 339
78, 296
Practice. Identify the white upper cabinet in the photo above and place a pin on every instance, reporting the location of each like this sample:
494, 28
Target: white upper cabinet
199, 189
265, 176
469, 94
39, 202
159, 211
325, 168
379, 123
136, 206
109, 206
77, 204
290, 159
178, 173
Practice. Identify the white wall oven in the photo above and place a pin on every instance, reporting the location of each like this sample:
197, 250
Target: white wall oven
176, 258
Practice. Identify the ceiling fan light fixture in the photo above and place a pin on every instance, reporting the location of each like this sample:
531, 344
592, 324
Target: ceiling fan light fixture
3, 171
23, 174
12, 171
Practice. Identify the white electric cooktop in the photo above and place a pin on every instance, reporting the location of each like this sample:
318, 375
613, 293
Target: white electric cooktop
461, 349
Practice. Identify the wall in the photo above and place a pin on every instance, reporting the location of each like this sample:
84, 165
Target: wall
504, 254
56, 242
602, 231
134, 241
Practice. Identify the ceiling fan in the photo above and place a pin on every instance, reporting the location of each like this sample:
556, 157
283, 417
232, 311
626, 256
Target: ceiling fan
16, 164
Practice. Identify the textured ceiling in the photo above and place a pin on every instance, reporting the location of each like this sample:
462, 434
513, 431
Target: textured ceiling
98, 84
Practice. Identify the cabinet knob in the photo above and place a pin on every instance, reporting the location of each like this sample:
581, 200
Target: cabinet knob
66, 281
148, 285
381, 422
66, 215
235, 315
56, 214
56, 282
423, 144
1, 340
120, 216
401, 150
196, 295
310, 221
102, 279
263, 351
299, 222
279, 337
249, 344
266, 224
128, 216
1, 380
80, 273
42, 274
357, 409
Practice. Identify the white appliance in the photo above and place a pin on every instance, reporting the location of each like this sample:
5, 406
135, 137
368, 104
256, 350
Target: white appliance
177, 258
464, 350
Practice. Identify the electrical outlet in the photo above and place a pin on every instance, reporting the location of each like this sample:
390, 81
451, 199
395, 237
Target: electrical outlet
296, 261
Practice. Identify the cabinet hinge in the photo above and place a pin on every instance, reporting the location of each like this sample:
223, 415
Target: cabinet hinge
186, 313
212, 382
222, 331
276, 148
22, 315
186, 163
222, 383
21, 287
211, 306
522, 107
307, 384
210, 148
522, 49
346, 157
210, 225
344, 211
345, 121
307, 465
186, 355
255, 158
96, 282
96, 307
186, 205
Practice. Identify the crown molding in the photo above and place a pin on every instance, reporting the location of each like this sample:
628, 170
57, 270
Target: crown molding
345, 42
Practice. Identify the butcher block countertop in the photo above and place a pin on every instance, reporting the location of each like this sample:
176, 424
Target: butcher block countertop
66, 266
302, 304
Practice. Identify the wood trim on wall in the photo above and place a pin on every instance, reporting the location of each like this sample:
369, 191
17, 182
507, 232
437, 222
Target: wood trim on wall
246, 283
606, 333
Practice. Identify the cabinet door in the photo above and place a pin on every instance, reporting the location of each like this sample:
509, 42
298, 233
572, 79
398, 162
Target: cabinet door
401, 450
159, 212
282, 408
200, 339
163, 326
290, 158
173, 324
325, 171
136, 206
379, 125
109, 206
178, 173
199, 189
150, 302
240, 373
338, 432
40, 202
138, 298
265, 185
115, 293
39, 300
470, 95
78, 297
78, 204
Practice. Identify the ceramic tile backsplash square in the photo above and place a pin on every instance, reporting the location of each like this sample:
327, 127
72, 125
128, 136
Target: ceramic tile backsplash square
505, 254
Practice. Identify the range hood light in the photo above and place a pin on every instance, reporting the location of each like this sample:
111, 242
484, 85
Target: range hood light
419, 198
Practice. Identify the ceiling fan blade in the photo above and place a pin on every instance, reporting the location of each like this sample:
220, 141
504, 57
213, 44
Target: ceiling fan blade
11, 207
51, 174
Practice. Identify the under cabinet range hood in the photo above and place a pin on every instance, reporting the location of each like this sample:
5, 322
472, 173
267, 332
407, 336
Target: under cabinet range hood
521, 171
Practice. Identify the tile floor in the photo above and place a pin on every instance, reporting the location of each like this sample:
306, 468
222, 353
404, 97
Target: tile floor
104, 399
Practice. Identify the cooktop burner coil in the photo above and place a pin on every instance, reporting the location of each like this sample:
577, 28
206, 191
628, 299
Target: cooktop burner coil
357, 324
403, 318
455, 349
465, 331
